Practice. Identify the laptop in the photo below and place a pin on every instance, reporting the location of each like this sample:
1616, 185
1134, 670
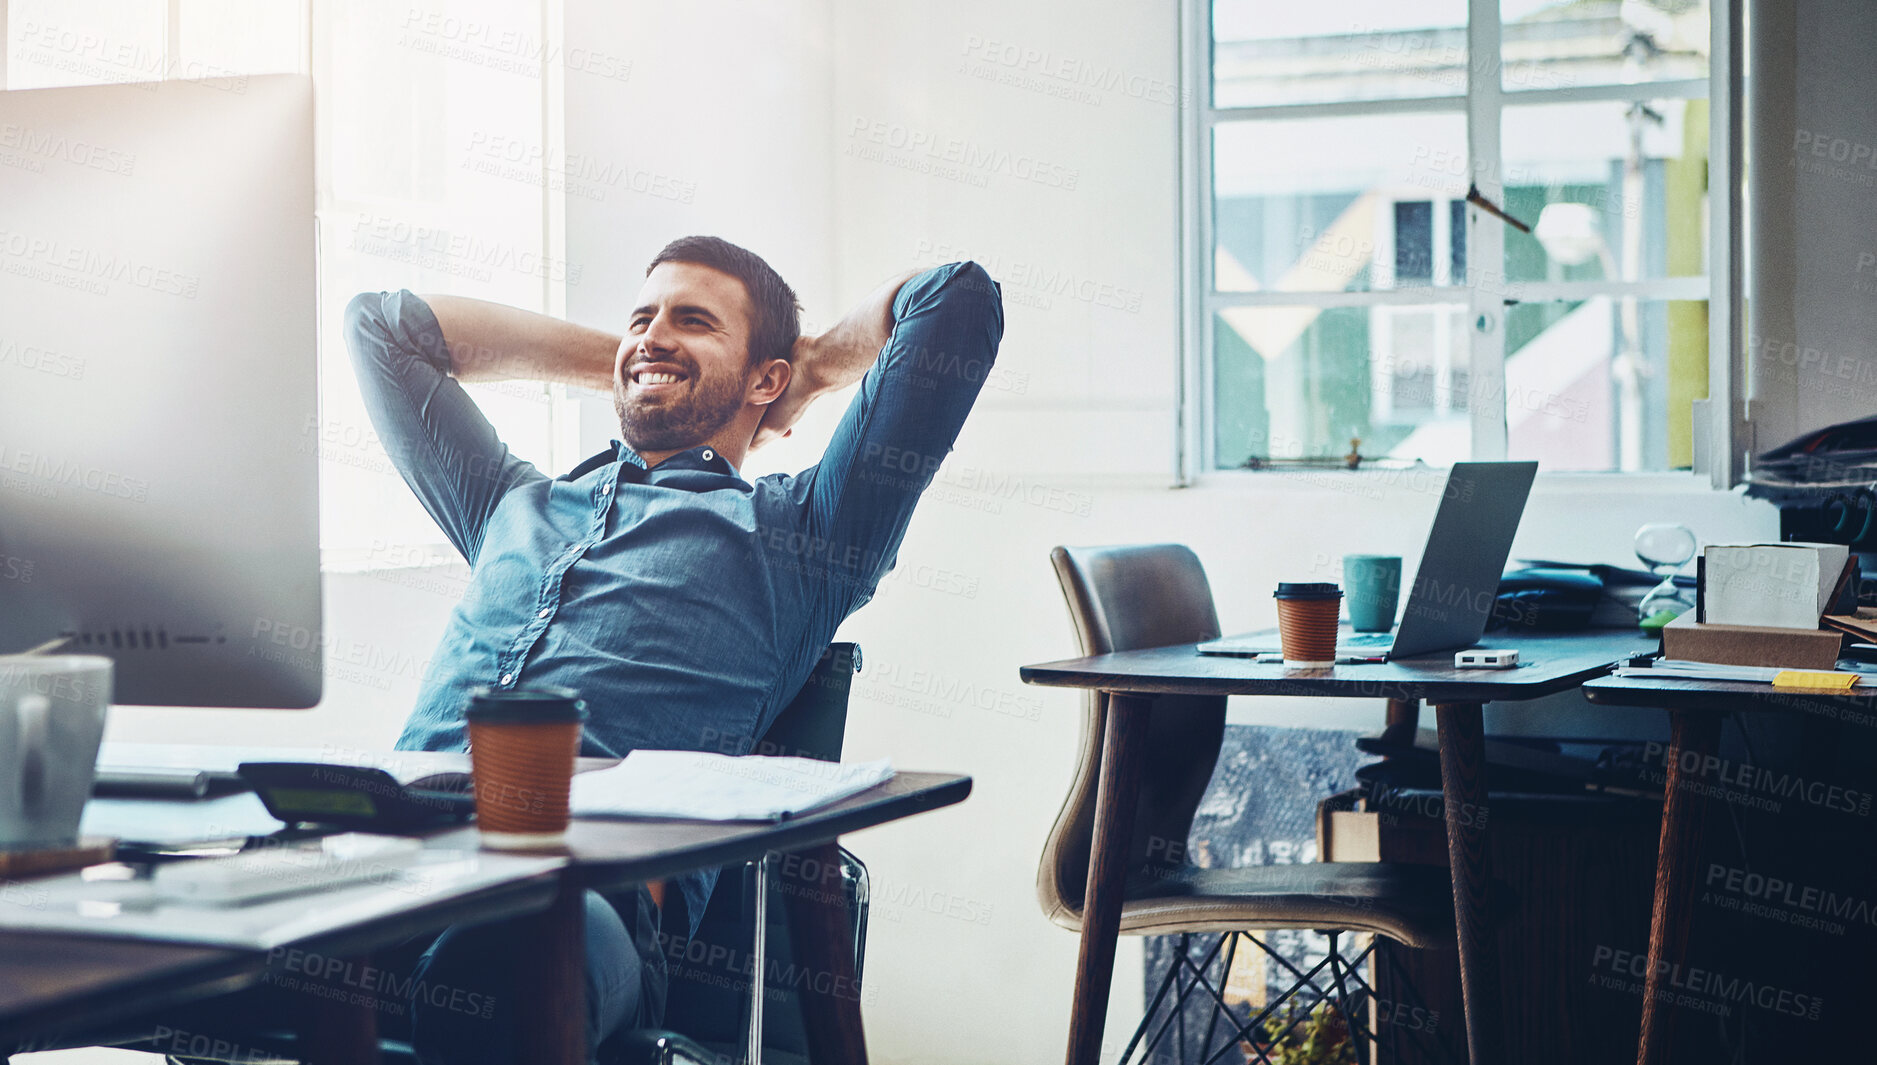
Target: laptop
1454, 589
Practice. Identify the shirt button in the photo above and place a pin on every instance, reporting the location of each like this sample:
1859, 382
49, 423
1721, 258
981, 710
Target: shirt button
508, 678
709, 454
544, 613
607, 488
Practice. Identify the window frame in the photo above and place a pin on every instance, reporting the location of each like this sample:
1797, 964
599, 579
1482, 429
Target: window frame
1720, 431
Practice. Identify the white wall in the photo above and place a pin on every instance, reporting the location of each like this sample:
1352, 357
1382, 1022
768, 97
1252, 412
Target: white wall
1075, 447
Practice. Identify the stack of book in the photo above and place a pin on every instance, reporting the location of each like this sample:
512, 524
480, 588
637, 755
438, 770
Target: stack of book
1782, 606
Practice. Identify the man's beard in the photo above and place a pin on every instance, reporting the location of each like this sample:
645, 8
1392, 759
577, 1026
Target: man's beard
679, 422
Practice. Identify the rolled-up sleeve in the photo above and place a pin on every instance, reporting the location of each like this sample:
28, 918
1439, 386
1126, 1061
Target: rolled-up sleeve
433, 431
897, 431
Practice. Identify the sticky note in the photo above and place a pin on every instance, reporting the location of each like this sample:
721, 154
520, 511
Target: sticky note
1817, 680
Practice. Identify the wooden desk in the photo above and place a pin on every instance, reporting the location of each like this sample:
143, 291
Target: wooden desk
56, 982
53, 983
610, 853
1695, 709
1550, 664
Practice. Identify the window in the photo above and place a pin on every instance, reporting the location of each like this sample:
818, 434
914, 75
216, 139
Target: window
1348, 296
435, 173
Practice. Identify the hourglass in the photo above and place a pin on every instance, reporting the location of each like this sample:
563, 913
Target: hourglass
1665, 547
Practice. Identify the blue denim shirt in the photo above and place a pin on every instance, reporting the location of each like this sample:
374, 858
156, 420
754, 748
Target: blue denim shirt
686, 604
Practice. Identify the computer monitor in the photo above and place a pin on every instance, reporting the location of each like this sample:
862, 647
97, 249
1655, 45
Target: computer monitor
158, 386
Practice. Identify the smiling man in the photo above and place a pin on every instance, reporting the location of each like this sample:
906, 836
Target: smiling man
686, 604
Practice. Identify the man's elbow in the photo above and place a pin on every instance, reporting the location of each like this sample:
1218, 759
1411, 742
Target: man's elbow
365, 323
392, 327
962, 293
971, 283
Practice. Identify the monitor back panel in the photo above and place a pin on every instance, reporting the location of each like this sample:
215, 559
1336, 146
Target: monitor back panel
158, 385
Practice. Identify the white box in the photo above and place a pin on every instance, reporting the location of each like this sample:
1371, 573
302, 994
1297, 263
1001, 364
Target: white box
1783, 586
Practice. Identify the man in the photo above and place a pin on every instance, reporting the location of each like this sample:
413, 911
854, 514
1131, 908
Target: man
686, 604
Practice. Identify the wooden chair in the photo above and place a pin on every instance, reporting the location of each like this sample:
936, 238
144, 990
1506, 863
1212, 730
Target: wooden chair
1132, 597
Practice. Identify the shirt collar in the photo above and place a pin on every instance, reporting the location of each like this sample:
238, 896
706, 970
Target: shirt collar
681, 467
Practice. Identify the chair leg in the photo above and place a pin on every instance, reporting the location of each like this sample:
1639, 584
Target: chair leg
1154, 1006
758, 954
1181, 964
1225, 977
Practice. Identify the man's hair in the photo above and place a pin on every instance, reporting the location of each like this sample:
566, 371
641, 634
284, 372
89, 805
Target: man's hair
775, 313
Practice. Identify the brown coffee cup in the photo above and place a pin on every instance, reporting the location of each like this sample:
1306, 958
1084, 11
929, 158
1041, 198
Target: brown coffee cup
522, 746
1306, 623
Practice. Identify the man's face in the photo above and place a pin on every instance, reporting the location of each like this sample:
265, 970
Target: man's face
683, 368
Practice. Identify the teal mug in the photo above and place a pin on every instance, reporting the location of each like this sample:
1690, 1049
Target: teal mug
1372, 584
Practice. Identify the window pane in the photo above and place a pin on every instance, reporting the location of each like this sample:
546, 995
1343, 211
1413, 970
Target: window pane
1554, 44
83, 42
1275, 53
432, 167
1337, 204
1294, 382
1613, 191
1604, 384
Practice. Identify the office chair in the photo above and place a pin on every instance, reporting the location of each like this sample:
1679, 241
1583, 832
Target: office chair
706, 1023
1133, 597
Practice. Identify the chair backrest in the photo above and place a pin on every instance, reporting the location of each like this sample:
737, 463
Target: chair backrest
815, 721
1123, 599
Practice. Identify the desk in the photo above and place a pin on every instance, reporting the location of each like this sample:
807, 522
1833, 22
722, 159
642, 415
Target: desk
1695, 709
607, 853
1551, 664
53, 982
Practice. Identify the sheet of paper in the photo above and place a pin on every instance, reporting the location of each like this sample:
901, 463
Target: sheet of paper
1681, 668
697, 786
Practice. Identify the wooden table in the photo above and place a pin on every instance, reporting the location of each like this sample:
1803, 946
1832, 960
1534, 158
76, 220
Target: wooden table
608, 854
56, 982
1695, 709
1549, 664
52, 983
